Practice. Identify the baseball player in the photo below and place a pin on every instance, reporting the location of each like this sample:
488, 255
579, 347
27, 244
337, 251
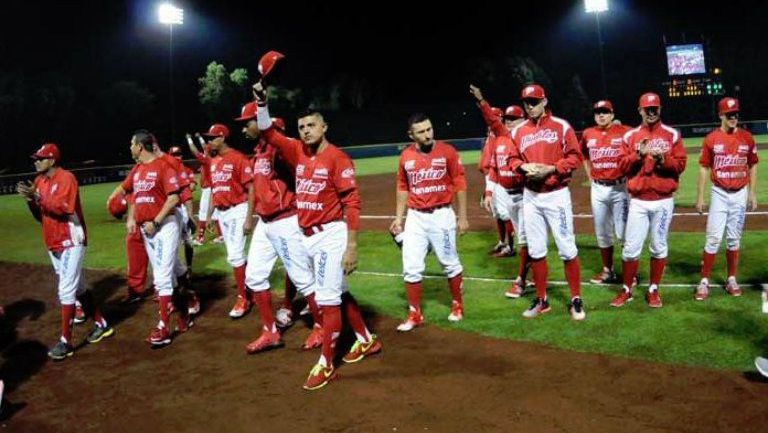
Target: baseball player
231, 181
54, 200
504, 186
278, 234
138, 261
546, 151
652, 159
429, 175
155, 190
601, 148
729, 158
204, 159
326, 196
186, 209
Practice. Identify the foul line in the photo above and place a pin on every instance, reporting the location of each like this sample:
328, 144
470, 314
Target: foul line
553, 283
578, 215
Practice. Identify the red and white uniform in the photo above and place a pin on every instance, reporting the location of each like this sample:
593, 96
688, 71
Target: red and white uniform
60, 213
431, 180
205, 185
505, 186
651, 185
729, 156
151, 183
231, 173
550, 141
608, 194
278, 234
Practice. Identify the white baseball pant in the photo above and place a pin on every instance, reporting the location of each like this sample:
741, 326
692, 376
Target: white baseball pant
162, 249
553, 209
609, 210
727, 211
514, 204
232, 221
68, 265
645, 214
423, 229
326, 250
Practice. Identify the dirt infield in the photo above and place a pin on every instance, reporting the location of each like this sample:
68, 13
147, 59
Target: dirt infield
378, 195
428, 380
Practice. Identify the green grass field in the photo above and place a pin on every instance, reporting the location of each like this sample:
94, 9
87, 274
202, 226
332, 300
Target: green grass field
722, 332
696, 141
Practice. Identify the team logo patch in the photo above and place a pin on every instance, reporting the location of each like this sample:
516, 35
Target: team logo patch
320, 173
228, 167
439, 162
743, 148
616, 142
592, 142
348, 173
409, 165
718, 148
152, 175
501, 149
262, 166
300, 169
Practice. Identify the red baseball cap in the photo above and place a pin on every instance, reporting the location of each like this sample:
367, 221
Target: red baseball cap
497, 111
514, 111
603, 105
278, 123
268, 61
48, 150
175, 151
728, 105
649, 100
248, 112
532, 91
217, 130
118, 206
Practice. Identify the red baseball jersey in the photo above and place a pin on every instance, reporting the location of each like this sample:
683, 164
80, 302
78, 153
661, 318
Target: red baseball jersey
646, 178
190, 176
59, 210
602, 147
500, 171
325, 183
550, 141
185, 194
495, 129
431, 178
150, 185
274, 182
231, 173
205, 169
729, 156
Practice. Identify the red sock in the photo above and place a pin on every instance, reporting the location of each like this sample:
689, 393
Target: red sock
239, 272
164, 301
573, 276
289, 294
355, 317
657, 270
264, 304
217, 228
455, 284
540, 271
522, 270
413, 292
90, 308
201, 225
607, 255
732, 257
510, 231
707, 260
501, 229
331, 331
67, 314
629, 271
317, 317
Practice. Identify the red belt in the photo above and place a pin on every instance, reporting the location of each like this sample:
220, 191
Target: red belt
432, 209
315, 229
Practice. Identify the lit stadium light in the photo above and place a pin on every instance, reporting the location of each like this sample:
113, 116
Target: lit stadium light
170, 14
595, 6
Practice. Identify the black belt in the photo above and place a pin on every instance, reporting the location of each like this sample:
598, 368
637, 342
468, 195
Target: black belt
515, 191
315, 229
432, 209
613, 182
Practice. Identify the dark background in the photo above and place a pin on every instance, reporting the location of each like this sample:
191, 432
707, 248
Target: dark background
86, 74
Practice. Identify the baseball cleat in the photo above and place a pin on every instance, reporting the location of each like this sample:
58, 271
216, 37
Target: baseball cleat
498, 247
79, 313
218, 240
762, 365
159, 337
654, 299
505, 251
702, 291
315, 338
267, 340
319, 376
622, 298
198, 242
732, 287
606, 276
457, 312
284, 317
764, 297
361, 349
538, 307
577, 309
242, 306
193, 303
99, 333
61, 351
515, 290
414, 319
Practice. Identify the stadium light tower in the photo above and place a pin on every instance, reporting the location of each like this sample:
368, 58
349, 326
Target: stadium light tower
170, 15
595, 7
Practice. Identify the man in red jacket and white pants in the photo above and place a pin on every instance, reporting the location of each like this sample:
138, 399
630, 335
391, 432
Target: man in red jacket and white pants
326, 195
652, 158
54, 200
546, 151
429, 175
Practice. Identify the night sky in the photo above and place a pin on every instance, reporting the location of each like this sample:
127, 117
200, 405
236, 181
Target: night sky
418, 56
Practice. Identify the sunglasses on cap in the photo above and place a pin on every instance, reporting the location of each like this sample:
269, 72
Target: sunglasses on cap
651, 110
532, 101
732, 115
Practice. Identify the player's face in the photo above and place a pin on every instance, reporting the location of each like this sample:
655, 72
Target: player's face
603, 118
217, 143
534, 107
729, 120
251, 130
650, 115
312, 130
135, 148
422, 133
42, 165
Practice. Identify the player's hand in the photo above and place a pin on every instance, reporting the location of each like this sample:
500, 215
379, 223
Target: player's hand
26, 190
396, 226
530, 168
259, 92
475, 91
149, 228
349, 261
752, 202
130, 225
700, 206
642, 147
487, 201
248, 224
463, 225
